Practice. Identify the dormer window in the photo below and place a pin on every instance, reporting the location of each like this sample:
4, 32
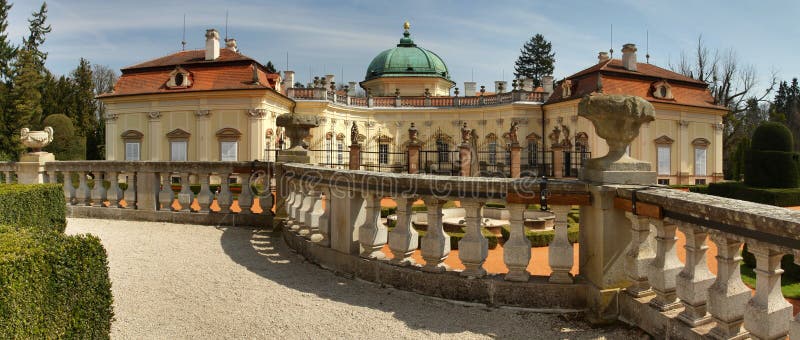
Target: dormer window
179, 79
662, 90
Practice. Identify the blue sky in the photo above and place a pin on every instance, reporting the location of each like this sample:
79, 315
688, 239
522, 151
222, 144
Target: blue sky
479, 38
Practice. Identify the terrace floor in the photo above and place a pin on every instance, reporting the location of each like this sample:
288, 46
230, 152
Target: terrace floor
189, 281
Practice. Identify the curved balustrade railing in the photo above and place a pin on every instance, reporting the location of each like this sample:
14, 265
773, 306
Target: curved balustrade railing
414, 101
719, 306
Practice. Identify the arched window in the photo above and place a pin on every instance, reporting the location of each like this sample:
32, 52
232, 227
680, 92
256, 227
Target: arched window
228, 144
132, 140
178, 145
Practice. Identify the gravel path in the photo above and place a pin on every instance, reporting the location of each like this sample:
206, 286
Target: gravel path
174, 281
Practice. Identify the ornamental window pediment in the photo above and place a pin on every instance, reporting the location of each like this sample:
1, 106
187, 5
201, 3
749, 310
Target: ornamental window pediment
178, 134
701, 142
179, 78
132, 135
662, 90
664, 140
228, 134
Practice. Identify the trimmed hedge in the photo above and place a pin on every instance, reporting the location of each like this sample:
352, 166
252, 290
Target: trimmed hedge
772, 169
37, 206
53, 286
788, 197
772, 136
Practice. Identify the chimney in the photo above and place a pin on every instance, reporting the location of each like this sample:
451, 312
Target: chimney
602, 56
547, 84
527, 84
331, 78
469, 88
500, 86
629, 57
351, 91
288, 79
212, 44
231, 45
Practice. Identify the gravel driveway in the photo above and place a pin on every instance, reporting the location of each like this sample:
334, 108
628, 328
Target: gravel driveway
173, 281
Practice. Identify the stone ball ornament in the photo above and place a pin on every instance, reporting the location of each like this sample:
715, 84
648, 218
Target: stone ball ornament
36, 140
617, 119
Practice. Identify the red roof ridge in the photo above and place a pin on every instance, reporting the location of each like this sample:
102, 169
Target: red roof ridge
643, 69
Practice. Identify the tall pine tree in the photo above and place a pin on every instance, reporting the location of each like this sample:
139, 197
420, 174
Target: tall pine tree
38, 30
7, 51
536, 60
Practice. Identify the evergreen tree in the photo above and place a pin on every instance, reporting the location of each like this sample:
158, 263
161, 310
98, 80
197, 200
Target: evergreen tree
271, 68
26, 100
536, 60
85, 106
7, 51
36, 38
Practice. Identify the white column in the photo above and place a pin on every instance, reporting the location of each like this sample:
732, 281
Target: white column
665, 267
435, 243
767, 315
403, 240
112, 137
517, 250
203, 140
473, 248
560, 250
257, 131
695, 278
728, 295
372, 233
638, 257
154, 136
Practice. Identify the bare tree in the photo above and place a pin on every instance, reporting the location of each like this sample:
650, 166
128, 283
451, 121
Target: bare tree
104, 79
732, 84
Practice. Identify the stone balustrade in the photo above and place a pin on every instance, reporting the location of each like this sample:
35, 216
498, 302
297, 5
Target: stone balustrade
669, 298
415, 101
8, 172
145, 190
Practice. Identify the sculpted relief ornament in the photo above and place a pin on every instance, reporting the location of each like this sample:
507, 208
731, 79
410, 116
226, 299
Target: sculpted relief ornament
154, 115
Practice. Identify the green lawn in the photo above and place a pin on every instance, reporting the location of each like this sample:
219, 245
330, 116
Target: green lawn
789, 286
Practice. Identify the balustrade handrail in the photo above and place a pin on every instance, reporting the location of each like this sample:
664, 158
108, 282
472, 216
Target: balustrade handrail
489, 188
420, 101
156, 166
760, 222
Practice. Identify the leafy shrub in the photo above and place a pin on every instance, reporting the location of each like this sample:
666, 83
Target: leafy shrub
38, 206
771, 162
67, 144
772, 136
53, 286
787, 197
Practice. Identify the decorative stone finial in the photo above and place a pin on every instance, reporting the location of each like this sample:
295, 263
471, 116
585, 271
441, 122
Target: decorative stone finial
617, 119
406, 25
456, 92
36, 140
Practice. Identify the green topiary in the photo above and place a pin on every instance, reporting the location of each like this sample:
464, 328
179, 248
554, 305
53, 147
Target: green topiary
67, 144
772, 136
771, 163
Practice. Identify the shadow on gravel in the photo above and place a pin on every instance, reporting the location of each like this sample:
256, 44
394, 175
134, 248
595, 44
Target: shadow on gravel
265, 253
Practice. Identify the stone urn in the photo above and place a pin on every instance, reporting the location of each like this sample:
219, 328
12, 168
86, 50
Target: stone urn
297, 127
36, 140
617, 119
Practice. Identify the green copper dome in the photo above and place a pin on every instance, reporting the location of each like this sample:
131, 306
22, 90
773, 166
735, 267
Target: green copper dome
407, 59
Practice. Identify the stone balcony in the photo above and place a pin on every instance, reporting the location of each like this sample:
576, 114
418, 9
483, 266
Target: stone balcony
415, 102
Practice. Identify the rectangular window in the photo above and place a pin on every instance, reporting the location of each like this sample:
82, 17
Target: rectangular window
699, 182
664, 159
228, 151
132, 151
177, 151
699, 161
340, 153
328, 151
443, 151
492, 153
383, 153
533, 152
663, 181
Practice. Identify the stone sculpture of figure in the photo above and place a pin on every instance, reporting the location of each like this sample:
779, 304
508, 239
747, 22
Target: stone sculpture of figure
474, 167
412, 133
554, 136
512, 133
565, 141
566, 88
354, 134
465, 134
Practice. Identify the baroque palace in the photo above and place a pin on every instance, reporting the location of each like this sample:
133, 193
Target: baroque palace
217, 104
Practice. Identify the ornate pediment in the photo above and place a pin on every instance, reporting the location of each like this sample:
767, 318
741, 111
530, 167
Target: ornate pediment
581, 138
179, 78
662, 90
132, 134
533, 137
178, 134
228, 134
701, 142
664, 140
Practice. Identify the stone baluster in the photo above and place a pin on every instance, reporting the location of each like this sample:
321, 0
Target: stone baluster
290, 196
246, 196
435, 243
185, 196
403, 239
224, 198
114, 192
84, 194
166, 196
728, 295
372, 233
560, 252
517, 250
304, 213
52, 177
639, 256
767, 314
130, 191
205, 197
8, 177
98, 193
665, 267
473, 248
265, 201
695, 278
296, 205
794, 326
320, 215
69, 188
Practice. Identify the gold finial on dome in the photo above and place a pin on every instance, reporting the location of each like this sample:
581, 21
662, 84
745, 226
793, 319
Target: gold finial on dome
406, 25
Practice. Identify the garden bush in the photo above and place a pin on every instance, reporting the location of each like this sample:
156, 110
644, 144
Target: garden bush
53, 286
771, 161
38, 206
787, 197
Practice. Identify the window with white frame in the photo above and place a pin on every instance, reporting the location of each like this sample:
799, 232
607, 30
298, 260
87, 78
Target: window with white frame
340, 153
383, 153
178, 150
328, 151
700, 156
443, 150
229, 151
492, 147
533, 152
132, 151
664, 159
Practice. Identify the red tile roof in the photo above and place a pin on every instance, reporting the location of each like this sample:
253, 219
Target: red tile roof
231, 71
615, 79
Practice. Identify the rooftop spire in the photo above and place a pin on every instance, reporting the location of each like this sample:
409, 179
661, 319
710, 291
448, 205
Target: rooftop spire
406, 41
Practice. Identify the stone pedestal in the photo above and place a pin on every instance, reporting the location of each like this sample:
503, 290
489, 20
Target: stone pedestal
624, 171
515, 160
293, 155
355, 157
413, 158
31, 167
465, 158
558, 160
